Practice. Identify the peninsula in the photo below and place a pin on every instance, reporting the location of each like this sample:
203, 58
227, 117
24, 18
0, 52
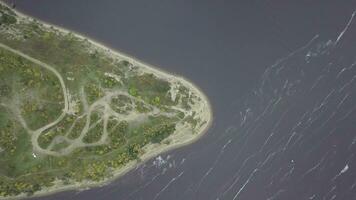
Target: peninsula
75, 114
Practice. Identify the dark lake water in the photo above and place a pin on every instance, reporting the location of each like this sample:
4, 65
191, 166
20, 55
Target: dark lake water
281, 77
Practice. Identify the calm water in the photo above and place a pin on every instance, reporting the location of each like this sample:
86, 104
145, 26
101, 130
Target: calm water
284, 100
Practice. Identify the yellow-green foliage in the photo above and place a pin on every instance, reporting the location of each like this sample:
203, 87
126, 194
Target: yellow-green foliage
140, 113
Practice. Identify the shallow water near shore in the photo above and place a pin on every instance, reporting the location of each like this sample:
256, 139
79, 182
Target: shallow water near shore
282, 129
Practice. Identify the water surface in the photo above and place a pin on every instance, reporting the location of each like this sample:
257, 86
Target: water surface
283, 99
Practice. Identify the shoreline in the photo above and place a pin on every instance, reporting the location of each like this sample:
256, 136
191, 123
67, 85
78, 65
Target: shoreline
154, 149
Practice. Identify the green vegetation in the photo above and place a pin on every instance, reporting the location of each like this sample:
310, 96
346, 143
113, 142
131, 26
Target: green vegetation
72, 112
7, 17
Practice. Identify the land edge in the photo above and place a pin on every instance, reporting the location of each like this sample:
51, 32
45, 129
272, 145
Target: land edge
158, 149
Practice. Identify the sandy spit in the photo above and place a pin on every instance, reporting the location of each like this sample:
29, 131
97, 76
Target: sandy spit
179, 138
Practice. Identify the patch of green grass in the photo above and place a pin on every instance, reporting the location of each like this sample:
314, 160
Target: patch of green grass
34, 93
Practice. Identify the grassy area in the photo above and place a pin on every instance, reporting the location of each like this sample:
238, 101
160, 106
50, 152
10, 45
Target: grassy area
91, 118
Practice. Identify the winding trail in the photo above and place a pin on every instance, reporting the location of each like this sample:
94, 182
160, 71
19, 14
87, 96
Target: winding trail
36, 133
101, 105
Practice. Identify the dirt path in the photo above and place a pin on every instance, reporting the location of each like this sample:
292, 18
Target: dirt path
101, 105
36, 133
